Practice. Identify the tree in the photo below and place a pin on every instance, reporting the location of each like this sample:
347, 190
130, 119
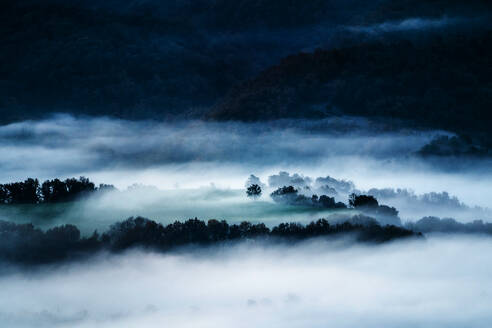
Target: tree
329, 202
253, 191
106, 187
26, 192
362, 201
4, 195
54, 191
79, 187
290, 190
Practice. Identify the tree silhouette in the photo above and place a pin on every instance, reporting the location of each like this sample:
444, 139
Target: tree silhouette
31, 191
23, 243
362, 201
26, 192
253, 191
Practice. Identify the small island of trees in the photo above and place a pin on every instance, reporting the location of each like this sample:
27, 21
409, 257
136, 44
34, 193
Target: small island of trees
31, 191
253, 191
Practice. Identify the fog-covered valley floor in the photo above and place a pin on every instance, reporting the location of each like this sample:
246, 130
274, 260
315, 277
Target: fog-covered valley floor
246, 163
440, 282
186, 169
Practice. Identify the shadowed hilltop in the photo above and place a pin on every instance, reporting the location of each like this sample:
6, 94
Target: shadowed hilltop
426, 63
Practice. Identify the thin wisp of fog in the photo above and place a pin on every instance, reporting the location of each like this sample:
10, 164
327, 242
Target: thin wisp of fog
440, 282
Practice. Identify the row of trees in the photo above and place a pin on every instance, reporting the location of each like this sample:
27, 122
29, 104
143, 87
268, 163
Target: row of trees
31, 191
367, 204
25, 244
290, 195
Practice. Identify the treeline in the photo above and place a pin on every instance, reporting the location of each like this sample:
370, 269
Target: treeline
31, 191
371, 204
367, 203
25, 244
290, 195
449, 225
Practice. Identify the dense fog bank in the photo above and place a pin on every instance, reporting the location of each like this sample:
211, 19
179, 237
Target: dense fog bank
191, 154
313, 284
100, 210
65, 143
178, 170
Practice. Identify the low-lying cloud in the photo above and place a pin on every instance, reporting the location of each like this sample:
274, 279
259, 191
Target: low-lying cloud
65, 142
314, 284
201, 167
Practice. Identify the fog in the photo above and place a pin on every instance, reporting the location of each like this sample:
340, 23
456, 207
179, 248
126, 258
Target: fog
378, 220
165, 206
409, 24
440, 282
199, 169
66, 144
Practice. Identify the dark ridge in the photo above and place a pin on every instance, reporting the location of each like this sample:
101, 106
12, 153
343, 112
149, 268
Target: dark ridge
26, 245
141, 59
441, 83
454, 146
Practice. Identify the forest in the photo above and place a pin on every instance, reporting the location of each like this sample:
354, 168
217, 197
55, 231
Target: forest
31, 191
25, 244
441, 82
28, 245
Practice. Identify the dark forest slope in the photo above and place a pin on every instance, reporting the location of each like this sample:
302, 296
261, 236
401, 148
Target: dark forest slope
161, 59
444, 82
